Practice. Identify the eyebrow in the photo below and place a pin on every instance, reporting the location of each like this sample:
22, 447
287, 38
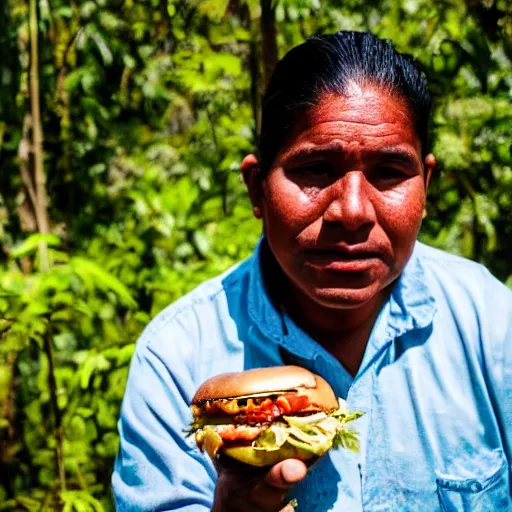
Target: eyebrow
390, 154
400, 156
309, 151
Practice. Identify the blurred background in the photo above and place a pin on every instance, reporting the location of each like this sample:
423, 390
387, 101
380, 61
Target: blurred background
122, 127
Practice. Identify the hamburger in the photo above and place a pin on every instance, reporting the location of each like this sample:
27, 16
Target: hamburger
262, 416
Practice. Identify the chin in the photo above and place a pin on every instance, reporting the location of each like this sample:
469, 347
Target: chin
344, 298
344, 290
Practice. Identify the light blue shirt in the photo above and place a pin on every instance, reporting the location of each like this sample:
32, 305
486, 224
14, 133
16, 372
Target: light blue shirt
435, 384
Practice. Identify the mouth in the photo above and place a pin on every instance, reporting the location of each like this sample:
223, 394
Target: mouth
342, 260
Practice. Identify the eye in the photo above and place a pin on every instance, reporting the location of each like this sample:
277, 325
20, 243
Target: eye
315, 169
390, 173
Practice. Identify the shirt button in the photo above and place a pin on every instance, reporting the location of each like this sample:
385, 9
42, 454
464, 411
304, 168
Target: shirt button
475, 487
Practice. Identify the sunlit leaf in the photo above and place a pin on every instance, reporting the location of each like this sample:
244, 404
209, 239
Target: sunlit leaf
89, 271
32, 243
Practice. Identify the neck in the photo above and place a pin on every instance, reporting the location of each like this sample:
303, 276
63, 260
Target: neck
342, 332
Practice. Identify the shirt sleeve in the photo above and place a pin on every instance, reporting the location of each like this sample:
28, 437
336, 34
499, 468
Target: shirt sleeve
158, 467
499, 353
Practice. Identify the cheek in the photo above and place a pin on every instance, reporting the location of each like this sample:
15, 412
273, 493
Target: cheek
401, 211
286, 205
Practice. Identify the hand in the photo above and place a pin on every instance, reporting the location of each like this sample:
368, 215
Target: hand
239, 491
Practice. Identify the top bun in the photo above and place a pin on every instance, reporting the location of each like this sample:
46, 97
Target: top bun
266, 381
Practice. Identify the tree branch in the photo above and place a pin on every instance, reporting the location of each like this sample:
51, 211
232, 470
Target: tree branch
52, 385
24, 156
269, 50
41, 206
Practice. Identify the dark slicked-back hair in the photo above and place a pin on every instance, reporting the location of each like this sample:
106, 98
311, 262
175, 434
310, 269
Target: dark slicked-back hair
328, 64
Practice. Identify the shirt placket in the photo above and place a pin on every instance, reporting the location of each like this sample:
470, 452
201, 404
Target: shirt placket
357, 391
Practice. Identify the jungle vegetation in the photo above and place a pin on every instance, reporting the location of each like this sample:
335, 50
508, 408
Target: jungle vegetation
123, 124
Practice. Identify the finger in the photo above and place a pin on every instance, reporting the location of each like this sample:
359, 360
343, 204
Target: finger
288, 508
235, 494
286, 473
270, 494
265, 493
265, 498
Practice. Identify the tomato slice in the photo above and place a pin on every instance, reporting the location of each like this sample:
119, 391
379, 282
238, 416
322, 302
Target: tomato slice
238, 433
256, 410
297, 402
283, 405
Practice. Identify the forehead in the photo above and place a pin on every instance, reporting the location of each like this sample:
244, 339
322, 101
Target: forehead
364, 118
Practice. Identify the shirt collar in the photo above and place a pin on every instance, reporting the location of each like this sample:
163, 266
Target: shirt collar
411, 304
262, 310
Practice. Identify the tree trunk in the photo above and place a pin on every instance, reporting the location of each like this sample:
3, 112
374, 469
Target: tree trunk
269, 51
26, 199
256, 94
254, 64
37, 187
41, 205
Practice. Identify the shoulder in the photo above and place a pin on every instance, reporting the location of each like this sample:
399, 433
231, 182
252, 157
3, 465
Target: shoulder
200, 323
454, 275
458, 274
437, 259
469, 292
204, 297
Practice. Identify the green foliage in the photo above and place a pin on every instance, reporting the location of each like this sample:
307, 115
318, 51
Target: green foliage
147, 114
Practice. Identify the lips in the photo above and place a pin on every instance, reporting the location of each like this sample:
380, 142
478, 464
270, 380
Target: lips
343, 259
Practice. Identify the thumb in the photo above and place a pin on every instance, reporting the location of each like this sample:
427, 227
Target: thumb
286, 473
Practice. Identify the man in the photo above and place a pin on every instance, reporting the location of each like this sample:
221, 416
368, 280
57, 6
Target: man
419, 340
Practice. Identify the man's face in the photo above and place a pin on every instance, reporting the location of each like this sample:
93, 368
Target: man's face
343, 202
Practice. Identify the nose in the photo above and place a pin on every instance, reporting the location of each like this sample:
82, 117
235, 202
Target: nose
350, 203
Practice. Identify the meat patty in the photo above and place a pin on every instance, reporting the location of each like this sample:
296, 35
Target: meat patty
253, 410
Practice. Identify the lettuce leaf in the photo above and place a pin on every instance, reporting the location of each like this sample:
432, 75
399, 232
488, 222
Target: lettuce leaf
314, 433
272, 438
304, 422
346, 438
212, 442
343, 414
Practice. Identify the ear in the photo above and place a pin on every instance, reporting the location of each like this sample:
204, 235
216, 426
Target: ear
429, 165
250, 171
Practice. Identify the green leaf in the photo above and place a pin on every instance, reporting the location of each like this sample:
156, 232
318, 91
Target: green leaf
5, 325
76, 428
28, 503
214, 9
64, 12
102, 46
92, 273
94, 363
81, 501
202, 242
31, 244
486, 211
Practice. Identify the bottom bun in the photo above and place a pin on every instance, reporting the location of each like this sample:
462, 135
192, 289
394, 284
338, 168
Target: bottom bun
262, 458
